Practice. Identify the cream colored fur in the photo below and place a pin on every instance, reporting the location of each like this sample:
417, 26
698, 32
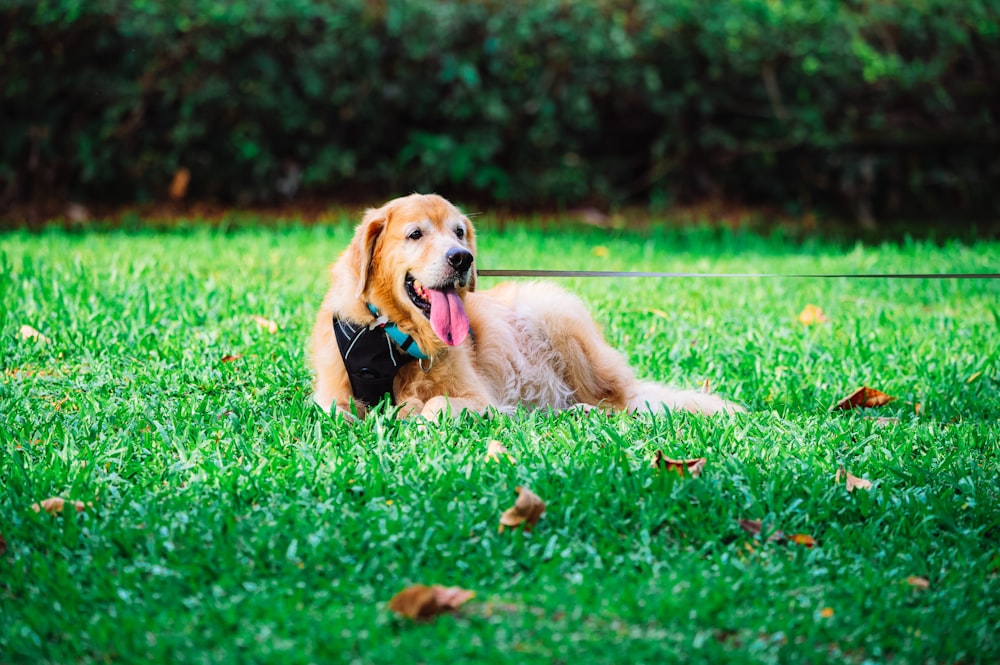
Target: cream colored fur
531, 344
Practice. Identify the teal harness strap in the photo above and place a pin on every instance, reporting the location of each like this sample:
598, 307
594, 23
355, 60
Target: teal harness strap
399, 338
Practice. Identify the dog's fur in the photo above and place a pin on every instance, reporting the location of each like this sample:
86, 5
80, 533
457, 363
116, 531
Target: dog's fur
530, 344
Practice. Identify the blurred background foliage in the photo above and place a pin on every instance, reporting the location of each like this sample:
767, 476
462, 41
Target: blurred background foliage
862, 108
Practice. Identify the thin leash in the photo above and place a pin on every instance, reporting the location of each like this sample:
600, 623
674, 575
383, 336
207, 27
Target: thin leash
731, 275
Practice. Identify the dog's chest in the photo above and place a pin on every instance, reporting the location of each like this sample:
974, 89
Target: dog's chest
522, 364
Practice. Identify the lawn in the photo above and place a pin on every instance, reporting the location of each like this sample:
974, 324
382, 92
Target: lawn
226, 519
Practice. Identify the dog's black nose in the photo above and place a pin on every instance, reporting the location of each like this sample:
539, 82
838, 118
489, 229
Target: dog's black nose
459, 259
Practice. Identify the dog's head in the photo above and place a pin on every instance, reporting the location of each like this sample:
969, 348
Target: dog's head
415, 261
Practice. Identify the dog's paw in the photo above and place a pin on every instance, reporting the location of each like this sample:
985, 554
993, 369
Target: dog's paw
656, 398
705, 404
452, 407
340, 412
336, 411
346, 415
708, 405
434, 407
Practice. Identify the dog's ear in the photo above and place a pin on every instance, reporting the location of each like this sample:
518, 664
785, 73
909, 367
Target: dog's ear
470, 237
362, 246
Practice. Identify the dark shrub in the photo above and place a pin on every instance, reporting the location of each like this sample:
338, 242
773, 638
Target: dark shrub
867, 107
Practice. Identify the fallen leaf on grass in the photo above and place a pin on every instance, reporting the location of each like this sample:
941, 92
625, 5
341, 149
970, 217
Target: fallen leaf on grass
3, 545
453, 596
423, 602
853, 482
55, 504
803, 539
753, 527
863, 397
267, 324
231, 358
526, 510
826, 612
692, 466
918, 582
27, 332
495, 449
811, 315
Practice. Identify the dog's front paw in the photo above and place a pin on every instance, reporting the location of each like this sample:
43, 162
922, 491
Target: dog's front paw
435, 406
337, 411
452, 406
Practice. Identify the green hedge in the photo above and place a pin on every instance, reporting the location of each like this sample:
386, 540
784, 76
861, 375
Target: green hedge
875, 107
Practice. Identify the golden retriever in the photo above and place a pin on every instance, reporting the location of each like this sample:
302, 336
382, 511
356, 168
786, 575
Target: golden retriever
410, 271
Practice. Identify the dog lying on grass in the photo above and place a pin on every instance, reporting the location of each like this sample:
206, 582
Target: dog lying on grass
403, 318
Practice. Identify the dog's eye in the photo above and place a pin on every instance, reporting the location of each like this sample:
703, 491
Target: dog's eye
460, 232
415, 234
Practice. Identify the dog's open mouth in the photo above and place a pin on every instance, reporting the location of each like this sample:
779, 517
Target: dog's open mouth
418, 294
443, 306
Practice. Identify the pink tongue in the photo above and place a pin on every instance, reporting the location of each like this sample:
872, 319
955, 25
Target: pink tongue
448, 317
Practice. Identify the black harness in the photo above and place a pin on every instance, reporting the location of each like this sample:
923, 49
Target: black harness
372, 355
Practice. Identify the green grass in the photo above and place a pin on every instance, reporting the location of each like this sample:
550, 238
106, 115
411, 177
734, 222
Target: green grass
234, 522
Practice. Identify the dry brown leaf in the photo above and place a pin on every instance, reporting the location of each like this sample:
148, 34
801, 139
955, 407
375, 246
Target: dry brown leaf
803, 539
55, 504
526, 510
27, 332
423, 602
452, 597
415, 602
267, 324
679, 466
495, 449
811, 315
826, 612
231, 358
180, 182
918, 582
753, 527
863, 397
853, 482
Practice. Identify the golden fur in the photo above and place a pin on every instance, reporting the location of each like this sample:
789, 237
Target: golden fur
531, 344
